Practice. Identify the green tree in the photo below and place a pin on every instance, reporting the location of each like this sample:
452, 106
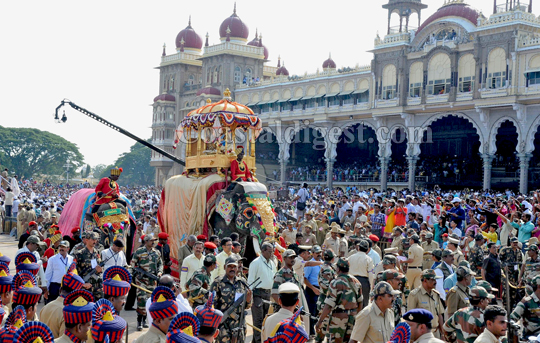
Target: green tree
136, 167
98, 170
32, 152
86, 171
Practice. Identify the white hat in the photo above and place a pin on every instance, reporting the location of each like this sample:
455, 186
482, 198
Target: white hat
456, 199
453, 240
288, 288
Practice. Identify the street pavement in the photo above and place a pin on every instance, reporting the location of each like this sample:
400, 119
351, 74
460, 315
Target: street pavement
8, 247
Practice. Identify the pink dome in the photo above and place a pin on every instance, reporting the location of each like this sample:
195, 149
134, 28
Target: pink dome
235, 24
282, 71
257, 42
165, 97
454, 10
208, 91
329, 63
190, 37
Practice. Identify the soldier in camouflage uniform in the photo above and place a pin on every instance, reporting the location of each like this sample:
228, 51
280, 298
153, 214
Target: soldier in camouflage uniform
528, 309
476, 255
285, 274
343, 301
531, 268
326, 275
148, 259
79, 246
199, 284
465, 325
84, 258
226, 288
511, 260
395, 279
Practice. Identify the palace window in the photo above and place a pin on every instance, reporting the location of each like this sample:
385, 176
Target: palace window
496, 80
416, 77
310, 103
466, 84
415, 90
265, 108
363, 97
347, 99
466, 72
389, 82
533, 78
333, 101
439, 87
496, 77
439, 72
237, 75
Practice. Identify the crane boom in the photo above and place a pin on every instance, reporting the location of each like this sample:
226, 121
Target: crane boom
117, 128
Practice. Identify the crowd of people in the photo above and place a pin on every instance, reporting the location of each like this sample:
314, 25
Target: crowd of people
342, 265
441, 168
344, 172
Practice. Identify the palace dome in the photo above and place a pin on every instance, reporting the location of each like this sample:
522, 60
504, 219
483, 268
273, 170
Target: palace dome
238, 29
457, 9
257, 42
165, 97
329, 63
190, 38
282, 71
208, 91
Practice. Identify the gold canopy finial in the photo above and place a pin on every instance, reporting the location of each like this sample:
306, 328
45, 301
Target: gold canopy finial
208, 101
227, 94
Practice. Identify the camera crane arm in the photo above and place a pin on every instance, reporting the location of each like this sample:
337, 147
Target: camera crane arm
114, 127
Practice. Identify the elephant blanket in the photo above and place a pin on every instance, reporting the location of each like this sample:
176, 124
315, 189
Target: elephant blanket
183, 207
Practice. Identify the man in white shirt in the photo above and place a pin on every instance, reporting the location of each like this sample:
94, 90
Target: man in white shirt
301, 197
447, 265
191, 264
8, 202
410, 207
226, 245
263, 267
32, 244
114, 255
183, 304
57, 267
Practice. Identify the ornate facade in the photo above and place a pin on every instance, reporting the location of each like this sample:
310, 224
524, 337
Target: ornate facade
458, 62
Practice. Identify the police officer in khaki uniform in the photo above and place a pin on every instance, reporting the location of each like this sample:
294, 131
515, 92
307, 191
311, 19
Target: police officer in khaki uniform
429, 245
397, 237
414, 269
420, 322
308, 238
289, 234
376, 322
458, 296
428, 298
333, 241
453, 245
288, 299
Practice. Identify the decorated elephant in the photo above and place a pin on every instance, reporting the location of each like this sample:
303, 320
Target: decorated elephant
247, 210
111, 220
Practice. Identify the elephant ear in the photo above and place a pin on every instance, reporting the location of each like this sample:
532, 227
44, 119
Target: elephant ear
225, 208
